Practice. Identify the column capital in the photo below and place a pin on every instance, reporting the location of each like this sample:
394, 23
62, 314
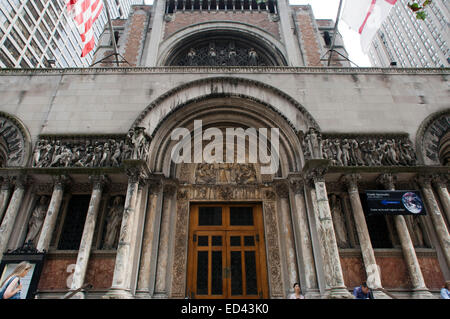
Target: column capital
99, 181
169, 189
6, 182
61, 181
281, 188
351, 181
154, 186
297, 185
316, 174
387, 180
424, 180
21, 181
440, 180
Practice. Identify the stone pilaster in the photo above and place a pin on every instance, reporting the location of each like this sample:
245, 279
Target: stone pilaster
435, 213
333, 271
52, 212
161, 286
122, 271
409, 253
440, 184
310, 286
4, 195
282, 191
7, 225
84, 251
373, 273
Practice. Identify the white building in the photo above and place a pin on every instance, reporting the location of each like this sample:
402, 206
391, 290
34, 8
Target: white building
32, 33
411, 42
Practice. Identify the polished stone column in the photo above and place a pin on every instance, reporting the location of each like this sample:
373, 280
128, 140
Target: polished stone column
163, 248
330, 253
435, 213
409, 253
84, 251
7, 225
4, 195
373, 273
439, 182
148, 241
122, 271
306, 257
52, 213
282, 191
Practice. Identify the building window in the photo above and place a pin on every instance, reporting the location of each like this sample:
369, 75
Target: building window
74, 222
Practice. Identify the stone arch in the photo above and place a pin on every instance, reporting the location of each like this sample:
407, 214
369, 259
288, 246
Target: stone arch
433, 139
266, 42
15, 142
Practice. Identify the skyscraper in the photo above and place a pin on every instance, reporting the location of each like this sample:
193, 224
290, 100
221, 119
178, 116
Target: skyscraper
35, 33
411, 42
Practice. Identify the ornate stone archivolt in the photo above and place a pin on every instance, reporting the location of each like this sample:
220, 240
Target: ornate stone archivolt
433, 139
90, 151
14, 142
358, 150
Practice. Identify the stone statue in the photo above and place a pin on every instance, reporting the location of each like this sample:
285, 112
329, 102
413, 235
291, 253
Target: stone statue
114, 221
252, 57
212, 56
338, 221
313, 141
232, 57
37, 219
191, 57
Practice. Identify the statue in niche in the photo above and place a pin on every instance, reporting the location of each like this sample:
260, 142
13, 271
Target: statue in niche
232, 57
212, 56
191, 56
113, 223
252, 57
313, 142
36, 220
338, 221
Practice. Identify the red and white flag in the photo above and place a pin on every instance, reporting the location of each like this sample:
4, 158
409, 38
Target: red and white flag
366, 17
85, 12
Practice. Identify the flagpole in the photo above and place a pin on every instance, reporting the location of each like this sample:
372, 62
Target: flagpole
334, 32
113, 39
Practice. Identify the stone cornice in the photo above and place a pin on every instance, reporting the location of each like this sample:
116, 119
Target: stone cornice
229, 70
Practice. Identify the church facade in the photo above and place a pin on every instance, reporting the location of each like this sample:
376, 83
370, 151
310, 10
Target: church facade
126, 181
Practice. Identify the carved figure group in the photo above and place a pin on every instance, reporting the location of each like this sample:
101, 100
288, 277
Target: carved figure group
91, 152
361, 151
208, 173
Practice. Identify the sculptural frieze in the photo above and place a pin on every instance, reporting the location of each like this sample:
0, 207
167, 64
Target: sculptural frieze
91, 151
359, 150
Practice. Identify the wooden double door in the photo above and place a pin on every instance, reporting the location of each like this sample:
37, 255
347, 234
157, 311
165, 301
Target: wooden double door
226, 252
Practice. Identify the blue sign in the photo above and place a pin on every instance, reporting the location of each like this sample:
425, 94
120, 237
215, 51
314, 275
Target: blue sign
394, 203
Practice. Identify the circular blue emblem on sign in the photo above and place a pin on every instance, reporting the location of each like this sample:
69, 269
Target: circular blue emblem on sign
412, 202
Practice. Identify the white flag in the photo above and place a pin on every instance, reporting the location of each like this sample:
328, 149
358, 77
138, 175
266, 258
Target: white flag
366, 17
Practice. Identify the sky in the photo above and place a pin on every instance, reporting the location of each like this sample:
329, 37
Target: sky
327, 9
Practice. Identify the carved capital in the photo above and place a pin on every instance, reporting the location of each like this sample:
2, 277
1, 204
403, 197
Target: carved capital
183, 194
351, 181
169, 189
154, 187
7, 182
99, 181
387, 180
269, 195
135, 175
424, 180
21, 181
61, 181
282, 189
297, 185
316, 175
440, 180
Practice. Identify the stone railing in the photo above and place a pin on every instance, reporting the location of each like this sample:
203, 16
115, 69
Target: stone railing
359, 149
90, 151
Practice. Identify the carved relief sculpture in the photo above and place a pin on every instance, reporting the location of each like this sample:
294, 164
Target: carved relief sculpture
37, 219
12, 143
113, 223
338, 221
91, 151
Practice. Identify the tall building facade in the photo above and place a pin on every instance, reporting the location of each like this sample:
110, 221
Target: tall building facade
411, 42
35, 33
124, 178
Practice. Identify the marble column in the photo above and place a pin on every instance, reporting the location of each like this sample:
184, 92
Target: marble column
4, 195
306, 258
440, 184
122, 272
282, 191
7, 225
84, 251
370, 264
412, 263
330, 253
163, 247
52, 213
148, 242
435, 214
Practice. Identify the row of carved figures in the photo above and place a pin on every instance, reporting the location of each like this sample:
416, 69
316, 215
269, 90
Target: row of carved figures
91, 152
361, 151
